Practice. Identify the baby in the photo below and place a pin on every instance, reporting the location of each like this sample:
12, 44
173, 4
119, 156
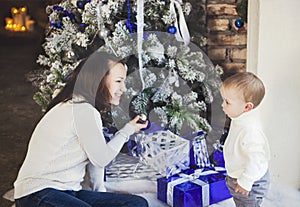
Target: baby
246, 149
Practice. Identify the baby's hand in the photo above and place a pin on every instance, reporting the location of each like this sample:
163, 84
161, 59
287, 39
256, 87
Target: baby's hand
138, 124
240, 189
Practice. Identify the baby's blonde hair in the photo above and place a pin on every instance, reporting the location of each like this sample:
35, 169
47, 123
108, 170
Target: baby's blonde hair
249, 84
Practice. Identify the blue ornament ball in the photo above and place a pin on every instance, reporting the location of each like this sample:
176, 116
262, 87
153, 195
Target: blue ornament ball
172, 29
80, 4
82, 27
239, 23
58, 25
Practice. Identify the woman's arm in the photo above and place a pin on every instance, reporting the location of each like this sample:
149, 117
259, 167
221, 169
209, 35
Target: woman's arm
89, 129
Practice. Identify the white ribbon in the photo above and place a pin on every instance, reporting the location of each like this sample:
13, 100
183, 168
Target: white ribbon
170, 189
182, 34
194, 179
140, 38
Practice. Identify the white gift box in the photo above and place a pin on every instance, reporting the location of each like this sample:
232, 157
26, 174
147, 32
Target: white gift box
126, 167
166, 152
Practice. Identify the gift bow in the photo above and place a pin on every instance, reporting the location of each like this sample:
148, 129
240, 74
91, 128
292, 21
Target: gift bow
183, 33
194, 179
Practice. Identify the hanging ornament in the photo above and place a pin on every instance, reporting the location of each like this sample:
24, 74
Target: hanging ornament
180, 23
80, 4
239, 23
172, 29
103, 33
81, 27
69, 56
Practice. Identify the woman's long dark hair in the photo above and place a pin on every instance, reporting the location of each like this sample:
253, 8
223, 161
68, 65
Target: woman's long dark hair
88, 80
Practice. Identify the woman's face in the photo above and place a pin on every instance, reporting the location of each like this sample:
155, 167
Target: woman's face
116, 82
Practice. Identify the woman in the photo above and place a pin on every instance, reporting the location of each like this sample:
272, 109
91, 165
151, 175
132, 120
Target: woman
69, 138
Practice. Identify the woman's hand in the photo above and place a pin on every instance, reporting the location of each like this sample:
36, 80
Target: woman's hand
138, 126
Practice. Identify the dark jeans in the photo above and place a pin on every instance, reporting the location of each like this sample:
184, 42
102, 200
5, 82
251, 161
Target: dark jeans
50, 197
256, 195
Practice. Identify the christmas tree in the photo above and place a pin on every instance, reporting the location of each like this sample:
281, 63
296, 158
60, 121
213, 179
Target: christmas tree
171, 77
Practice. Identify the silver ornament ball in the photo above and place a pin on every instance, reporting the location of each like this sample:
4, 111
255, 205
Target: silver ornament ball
103, 33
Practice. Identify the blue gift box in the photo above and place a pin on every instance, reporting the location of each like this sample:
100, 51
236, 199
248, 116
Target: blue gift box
185, 190
201, 160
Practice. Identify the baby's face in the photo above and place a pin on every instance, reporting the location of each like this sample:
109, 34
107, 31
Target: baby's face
233, 102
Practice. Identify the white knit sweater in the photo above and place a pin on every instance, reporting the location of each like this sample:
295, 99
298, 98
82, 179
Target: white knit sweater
246, 149
65, 140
